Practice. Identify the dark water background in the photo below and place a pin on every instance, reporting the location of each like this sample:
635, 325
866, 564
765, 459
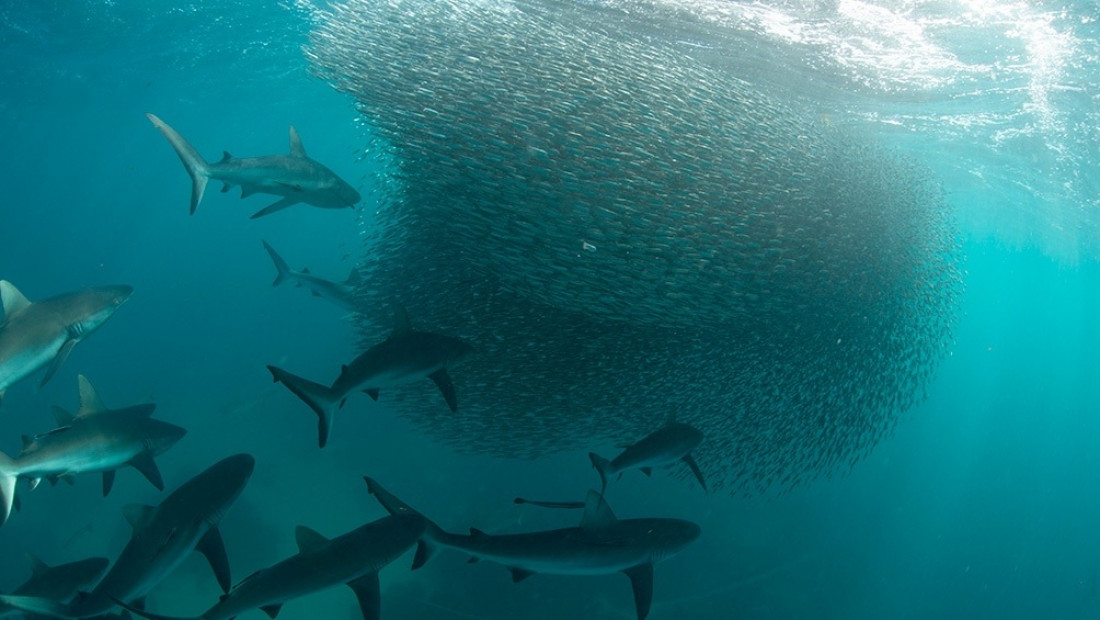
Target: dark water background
982, 506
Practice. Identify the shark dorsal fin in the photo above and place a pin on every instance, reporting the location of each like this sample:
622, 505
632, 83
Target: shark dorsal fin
137, 515
38, 567
308, 540
62, 416
477, 534
12, 300
225, 157
305, 269
272, 610
401, 323
296, 148
597, 514
89, 401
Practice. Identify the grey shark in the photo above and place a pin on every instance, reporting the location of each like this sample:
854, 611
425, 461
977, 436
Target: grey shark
96, 439
295, 177
405, 357
41, 333
671, 443
163, 537
601, 545
57, 583
340, 293
353, 559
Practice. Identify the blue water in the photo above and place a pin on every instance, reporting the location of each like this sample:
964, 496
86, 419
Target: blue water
983, 504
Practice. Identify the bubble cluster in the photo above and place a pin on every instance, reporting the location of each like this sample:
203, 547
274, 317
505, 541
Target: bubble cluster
627, 232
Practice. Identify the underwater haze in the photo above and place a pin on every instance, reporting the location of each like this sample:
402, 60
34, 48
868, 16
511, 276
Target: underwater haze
876, 231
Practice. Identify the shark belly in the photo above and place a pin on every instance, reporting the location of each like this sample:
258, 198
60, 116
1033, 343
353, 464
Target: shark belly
21, 354
552, 554
75, 459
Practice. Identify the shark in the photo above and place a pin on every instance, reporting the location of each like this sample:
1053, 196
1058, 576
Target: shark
163, 537
295, 177
669, 444
340, 293
96, 439
57, 583
43, 333
354, 559
602, 544
406, 356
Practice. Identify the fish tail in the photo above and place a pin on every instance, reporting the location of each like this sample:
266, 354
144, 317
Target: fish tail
195, 164
426, 546
603, 467
322, 400
8, 476
280, 265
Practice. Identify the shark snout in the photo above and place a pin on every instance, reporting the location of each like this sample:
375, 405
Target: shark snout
116, 295
166, 437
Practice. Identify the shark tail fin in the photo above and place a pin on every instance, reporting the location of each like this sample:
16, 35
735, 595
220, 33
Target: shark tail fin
603, 466
195, 164
280, 265
322, 400
426, 546
8, 476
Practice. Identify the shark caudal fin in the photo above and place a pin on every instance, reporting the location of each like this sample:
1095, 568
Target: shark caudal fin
426, 546
195, 164
8, 477
280, 265
320, 399
603, 466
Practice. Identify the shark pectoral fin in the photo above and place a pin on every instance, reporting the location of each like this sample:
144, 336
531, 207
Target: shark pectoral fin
58, 360
648, 471
291, 186
32, 484
641, 578
213, 548
277, 206
443, 382
519, 574
137, 515
8, 478
27, 441
368, 593
61, 416
145, 464
424, 552
372, 392
308, 539
108, 482
695, 470
272, 610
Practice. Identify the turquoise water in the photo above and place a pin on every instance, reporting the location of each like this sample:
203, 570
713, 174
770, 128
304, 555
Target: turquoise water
980, 505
